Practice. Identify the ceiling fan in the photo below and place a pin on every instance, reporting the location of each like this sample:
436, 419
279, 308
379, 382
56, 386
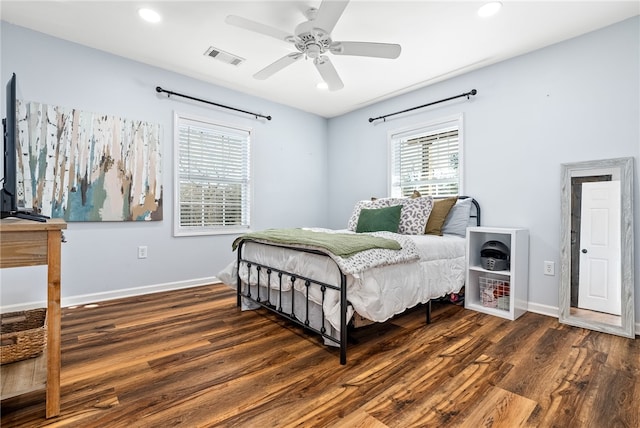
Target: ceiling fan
312, 39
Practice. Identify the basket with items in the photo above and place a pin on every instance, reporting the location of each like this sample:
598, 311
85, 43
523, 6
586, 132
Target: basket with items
23, 335
494, 293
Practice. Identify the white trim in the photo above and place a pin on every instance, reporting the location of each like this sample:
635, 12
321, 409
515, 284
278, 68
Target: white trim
425, 126
461, 162
116, 294
550, 311
213, 231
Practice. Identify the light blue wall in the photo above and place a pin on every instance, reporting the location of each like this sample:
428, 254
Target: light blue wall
102, 257
577, 100
574, 101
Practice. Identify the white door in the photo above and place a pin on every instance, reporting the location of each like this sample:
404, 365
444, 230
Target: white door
600, 270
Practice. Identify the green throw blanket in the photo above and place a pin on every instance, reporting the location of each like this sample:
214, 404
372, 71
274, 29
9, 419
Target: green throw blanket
339, 244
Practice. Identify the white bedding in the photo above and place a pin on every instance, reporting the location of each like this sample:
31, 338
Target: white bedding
377, 293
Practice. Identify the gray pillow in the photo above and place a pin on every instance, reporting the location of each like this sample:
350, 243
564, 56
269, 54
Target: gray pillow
458, 218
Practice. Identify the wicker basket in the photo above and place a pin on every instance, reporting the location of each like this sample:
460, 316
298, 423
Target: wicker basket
23, 335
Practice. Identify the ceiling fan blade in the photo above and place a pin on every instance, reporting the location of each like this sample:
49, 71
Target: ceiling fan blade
378, 50
272, 69
328, 14
257, 27
328, 73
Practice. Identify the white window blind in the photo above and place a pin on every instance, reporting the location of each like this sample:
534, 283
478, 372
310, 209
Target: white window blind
213, 178
426, 159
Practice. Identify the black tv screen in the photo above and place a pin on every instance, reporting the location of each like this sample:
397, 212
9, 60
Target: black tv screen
9, 193
9, 201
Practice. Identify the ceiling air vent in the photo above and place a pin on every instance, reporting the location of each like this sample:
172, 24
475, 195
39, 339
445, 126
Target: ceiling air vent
223, 56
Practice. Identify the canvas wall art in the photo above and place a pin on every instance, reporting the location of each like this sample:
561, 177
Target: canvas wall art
83, 166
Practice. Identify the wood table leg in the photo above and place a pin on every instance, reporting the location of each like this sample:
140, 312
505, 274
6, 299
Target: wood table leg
53, 324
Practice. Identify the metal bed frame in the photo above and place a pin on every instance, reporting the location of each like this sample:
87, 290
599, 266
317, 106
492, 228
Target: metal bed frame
264, 300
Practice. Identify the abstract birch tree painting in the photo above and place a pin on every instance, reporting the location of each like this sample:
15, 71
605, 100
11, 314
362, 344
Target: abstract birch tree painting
83, 166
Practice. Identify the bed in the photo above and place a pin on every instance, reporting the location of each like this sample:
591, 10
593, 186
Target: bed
326, 289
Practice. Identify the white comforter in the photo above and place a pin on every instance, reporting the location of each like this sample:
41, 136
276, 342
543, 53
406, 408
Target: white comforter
377, 293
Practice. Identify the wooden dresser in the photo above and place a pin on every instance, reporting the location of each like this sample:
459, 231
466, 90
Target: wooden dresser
31, 243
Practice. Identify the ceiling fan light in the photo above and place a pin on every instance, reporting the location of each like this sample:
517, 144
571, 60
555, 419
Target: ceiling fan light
489, 9
149, 15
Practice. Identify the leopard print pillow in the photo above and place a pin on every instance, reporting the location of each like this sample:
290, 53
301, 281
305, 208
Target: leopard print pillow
415, 214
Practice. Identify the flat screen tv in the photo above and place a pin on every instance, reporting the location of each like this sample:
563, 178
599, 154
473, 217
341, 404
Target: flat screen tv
9, 199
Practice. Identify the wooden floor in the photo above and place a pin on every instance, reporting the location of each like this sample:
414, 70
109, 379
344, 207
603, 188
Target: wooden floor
191, 358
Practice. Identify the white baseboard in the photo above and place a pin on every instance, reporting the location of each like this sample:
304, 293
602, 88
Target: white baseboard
115, 294
550, 311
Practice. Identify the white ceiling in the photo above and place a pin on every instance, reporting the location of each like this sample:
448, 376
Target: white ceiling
439, 39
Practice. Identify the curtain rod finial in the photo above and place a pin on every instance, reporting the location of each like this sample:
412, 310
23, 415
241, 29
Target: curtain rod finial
473, 92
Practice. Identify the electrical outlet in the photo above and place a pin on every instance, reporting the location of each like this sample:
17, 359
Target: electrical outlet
142, 252
549, 268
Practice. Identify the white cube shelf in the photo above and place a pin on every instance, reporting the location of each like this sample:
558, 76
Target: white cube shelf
503, 293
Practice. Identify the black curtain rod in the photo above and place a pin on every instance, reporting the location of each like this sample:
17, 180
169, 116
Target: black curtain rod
466, 94
159, 89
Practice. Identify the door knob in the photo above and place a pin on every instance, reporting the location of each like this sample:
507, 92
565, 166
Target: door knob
584, 250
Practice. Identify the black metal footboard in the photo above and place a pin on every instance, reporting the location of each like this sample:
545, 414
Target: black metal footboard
276, 294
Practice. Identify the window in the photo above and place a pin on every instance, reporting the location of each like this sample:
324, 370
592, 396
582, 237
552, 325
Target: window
427, 158
212, 178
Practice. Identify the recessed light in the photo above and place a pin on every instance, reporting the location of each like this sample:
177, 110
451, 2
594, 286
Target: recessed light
489, 9
323, 86
149, 15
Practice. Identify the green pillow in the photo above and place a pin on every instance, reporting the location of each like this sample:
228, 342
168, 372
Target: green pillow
441, 208
376, 220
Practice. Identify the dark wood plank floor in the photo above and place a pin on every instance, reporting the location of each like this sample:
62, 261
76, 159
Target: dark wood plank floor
191, 358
